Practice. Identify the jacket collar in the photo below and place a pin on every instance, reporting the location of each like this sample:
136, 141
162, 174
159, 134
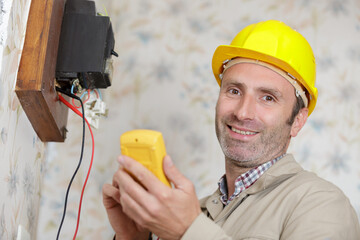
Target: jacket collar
279, 172
282, 170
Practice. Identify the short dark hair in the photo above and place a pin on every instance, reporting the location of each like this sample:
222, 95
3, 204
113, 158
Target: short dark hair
299, 104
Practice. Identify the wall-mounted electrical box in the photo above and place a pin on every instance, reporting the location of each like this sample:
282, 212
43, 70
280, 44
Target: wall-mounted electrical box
82, 51
85, 48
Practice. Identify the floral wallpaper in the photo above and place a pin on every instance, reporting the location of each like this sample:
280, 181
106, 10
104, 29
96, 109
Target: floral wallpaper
163, 81
21, 152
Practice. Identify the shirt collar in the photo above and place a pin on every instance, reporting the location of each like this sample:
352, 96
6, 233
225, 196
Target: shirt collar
244, 181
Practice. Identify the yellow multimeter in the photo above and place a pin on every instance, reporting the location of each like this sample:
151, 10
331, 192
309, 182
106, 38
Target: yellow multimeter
148, 148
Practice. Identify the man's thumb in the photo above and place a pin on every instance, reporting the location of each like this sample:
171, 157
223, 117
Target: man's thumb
172, 173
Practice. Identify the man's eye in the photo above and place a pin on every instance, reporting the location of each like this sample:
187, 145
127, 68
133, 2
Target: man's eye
268, 98
234, 91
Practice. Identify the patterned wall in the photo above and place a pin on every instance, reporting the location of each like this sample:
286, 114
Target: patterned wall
163, 81
21, 152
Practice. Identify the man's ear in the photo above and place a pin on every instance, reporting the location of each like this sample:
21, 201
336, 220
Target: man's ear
299, 122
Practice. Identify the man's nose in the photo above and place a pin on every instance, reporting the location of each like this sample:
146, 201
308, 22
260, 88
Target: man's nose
245, 109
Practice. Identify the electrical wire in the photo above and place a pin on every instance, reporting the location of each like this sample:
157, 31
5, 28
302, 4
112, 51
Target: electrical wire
72, 92
96, 93
88, 92
81, 155
99, 93
84, 80
91, 162
79, 164
88, 95
73, 103
85, 92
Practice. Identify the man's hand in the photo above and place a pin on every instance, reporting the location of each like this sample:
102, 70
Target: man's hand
123, 226
165, 211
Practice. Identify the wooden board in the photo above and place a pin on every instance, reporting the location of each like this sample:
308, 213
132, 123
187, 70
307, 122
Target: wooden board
35, 86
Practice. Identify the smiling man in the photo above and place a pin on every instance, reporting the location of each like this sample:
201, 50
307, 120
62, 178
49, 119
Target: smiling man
253, 117
267, 91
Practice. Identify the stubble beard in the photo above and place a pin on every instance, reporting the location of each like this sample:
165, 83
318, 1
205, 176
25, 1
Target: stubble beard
270, 144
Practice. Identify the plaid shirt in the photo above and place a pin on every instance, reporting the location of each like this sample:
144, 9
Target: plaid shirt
244, 181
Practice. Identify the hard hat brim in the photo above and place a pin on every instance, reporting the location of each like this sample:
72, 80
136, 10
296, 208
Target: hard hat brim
227, 52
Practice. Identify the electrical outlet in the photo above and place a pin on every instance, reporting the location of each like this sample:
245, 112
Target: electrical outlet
22, 234
94, 109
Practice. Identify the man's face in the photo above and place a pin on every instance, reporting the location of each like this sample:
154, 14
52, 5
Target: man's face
253, 107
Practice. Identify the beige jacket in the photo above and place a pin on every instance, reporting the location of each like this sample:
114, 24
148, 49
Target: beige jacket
286, 202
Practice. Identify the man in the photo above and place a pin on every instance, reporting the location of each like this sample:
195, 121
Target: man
267, 91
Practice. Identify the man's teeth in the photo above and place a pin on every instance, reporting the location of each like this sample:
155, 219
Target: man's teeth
242, 132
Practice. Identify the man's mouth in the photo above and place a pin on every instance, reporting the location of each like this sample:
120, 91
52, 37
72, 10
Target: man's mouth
242, 132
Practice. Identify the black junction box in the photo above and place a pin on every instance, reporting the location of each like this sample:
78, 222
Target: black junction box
85, 47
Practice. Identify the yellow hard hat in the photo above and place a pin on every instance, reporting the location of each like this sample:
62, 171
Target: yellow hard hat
275, 43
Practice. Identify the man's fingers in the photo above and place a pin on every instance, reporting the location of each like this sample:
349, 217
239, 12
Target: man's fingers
141, 174
147, 199
135, 211
130, 187
111, 196
137, 203
175, 176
